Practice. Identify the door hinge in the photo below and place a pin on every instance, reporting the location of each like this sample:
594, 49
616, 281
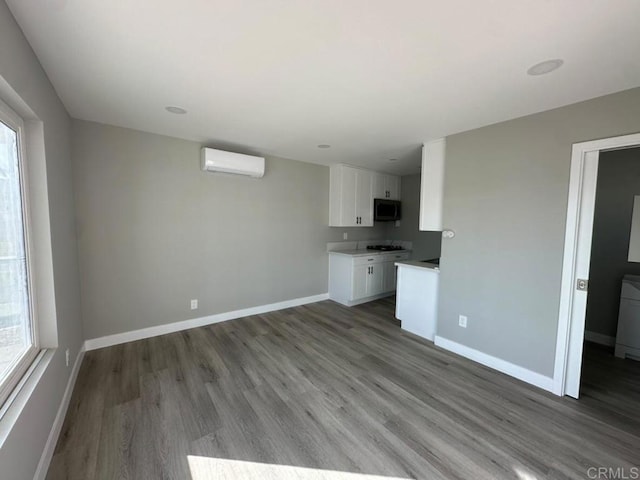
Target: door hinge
582, 284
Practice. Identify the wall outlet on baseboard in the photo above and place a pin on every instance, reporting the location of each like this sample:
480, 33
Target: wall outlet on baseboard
345, 236
66, 356
462, 321
194, 304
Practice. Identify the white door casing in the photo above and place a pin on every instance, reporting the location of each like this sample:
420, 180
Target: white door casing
577, 257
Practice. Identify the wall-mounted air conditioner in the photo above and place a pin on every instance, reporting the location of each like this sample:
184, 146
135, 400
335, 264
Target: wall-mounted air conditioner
213, 160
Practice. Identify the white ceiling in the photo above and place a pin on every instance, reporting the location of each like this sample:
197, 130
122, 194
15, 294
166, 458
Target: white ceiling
373, 78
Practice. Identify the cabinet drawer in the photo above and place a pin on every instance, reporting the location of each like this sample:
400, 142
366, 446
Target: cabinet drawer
368, 260
395, 257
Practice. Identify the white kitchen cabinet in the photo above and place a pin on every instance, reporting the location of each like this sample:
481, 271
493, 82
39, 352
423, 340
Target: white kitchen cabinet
350, 197
432, 185
417, 298
393, 187
355, 279
386, 186
389, 276
367, 280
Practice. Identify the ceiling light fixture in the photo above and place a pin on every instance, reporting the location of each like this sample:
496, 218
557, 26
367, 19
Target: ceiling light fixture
545, 67
176, 110
324, 145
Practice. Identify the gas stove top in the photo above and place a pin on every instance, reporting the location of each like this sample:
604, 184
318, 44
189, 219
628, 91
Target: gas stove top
384, 248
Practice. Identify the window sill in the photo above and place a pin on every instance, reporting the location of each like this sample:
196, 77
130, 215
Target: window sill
15, 403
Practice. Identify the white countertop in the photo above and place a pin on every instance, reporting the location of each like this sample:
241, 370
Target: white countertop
365, 253
419, 265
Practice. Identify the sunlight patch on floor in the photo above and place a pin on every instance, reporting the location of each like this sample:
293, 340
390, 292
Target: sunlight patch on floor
522, 474
205, 468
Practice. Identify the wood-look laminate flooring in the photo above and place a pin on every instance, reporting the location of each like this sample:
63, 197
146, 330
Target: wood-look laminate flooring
334, 393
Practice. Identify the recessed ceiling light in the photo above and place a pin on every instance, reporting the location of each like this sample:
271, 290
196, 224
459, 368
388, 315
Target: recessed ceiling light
324, 145
176, 110
393, 159
545, 67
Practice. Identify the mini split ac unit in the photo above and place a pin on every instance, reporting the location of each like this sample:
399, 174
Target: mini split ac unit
228, 162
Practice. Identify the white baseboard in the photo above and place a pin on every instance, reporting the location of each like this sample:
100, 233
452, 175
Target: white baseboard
118, 338
50, 446
521, 373
599, 338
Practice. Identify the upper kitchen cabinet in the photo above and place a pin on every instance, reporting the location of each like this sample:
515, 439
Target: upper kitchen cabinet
432, 185
386, 186
350, 197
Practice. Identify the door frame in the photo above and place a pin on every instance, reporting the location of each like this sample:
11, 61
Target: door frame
577, 256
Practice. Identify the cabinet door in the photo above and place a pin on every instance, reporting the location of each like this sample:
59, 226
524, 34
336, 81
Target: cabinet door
376, 279
389, 276
379, 185
364, 197
431, 185
629, 323
393, 187
349, 190
360, 282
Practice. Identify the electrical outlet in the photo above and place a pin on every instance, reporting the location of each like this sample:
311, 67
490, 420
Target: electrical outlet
345, 235
194, 304
462, 321
66, 356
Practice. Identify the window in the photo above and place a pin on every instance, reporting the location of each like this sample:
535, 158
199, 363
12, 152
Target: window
18, 335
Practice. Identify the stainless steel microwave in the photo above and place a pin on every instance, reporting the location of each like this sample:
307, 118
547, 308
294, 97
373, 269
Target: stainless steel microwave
385, 210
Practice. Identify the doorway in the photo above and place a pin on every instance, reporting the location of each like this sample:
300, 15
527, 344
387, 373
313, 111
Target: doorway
585, 158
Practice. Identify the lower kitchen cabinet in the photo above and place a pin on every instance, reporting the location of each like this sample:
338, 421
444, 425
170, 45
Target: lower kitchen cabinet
389, 274
355, 279
368, 280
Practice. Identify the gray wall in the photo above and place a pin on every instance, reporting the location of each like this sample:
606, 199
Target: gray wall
19, 67
425, 244
154, 231
618, 182
506, 188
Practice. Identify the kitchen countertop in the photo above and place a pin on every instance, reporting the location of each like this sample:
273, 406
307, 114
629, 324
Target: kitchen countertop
419, 265
365, 253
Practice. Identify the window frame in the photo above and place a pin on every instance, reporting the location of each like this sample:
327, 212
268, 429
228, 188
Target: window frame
23, 363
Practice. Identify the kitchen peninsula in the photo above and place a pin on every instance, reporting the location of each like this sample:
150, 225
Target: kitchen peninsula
417, 296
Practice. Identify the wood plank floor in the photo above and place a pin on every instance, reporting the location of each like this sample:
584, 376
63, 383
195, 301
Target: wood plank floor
328, 392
